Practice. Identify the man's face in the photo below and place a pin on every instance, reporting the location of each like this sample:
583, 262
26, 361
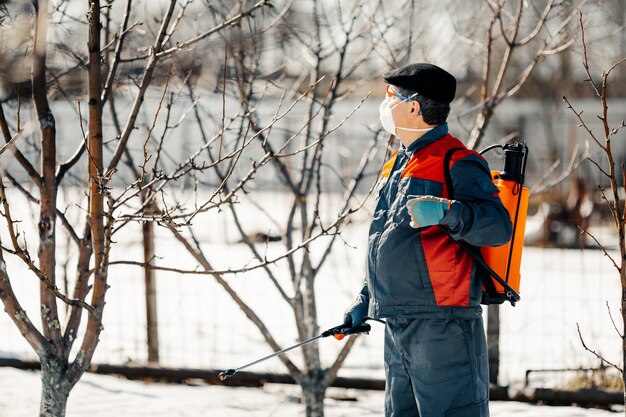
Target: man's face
404, 110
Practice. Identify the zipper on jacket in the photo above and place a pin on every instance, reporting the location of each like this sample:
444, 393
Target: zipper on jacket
376, 243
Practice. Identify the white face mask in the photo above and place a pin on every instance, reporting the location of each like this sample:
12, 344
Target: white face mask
387, 120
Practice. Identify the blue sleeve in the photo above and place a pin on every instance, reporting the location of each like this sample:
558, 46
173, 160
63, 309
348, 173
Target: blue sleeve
476, 215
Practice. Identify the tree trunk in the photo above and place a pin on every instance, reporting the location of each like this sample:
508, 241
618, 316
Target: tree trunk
314, 390
493, 342
48, 190
314, 384
151, 298
55, 389
624, 336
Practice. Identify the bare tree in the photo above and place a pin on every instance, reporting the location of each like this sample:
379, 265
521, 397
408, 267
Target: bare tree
53, 340
300, 154
518, 36
148, 197
301, 172
612, 174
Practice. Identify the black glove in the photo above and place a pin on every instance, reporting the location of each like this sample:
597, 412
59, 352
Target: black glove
357, 312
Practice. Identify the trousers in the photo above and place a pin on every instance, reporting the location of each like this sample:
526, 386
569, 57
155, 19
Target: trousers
436, 368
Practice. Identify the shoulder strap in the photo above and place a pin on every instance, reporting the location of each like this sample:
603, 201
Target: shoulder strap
482, 269
446, 171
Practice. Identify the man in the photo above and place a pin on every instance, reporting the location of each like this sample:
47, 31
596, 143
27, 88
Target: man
418, 278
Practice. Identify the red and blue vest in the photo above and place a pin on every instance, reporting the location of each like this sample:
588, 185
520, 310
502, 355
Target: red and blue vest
423, 272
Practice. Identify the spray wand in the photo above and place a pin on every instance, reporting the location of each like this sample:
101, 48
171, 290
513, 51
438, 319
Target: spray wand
338, 332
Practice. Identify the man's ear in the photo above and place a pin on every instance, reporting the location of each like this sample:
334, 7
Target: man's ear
415, 110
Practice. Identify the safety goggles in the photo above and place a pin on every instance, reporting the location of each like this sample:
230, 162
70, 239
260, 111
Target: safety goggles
392, 93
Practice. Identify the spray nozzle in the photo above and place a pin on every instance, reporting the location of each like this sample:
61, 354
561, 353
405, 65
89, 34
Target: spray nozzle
514, 162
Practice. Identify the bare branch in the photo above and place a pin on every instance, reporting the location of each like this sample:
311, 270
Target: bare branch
189, 165
585, 58
143, 87
196, 39
146, 158
584, 125
66, 166
199, 256
174, 24
606, 174
28, 167
24, 255
540, 24
10, 144
350, 192
18, 315
575, 162
621, 61
606, 253
68, 227
120, 37
246, 239
608, 308
106, 92
499, 91
594, 353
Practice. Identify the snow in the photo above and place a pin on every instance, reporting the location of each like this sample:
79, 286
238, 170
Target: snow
200, 326
107, 396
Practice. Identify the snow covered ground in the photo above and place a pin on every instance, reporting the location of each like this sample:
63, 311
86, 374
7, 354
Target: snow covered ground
201, 327
106, 396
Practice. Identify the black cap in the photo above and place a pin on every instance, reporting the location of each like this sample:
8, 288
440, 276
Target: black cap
427, 80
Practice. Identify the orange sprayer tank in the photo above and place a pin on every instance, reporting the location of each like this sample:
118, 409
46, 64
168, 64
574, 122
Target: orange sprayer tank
506, 260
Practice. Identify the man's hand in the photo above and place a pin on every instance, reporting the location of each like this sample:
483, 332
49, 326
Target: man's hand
427, 210
357, 312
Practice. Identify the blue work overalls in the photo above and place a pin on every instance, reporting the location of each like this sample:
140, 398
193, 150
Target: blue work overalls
426, 286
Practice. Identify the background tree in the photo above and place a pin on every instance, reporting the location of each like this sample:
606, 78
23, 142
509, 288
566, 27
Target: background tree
507, 46
54, 339
612, 174
327, 41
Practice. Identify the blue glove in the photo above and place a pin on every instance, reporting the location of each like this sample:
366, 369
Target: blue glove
357, 312
427, 210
